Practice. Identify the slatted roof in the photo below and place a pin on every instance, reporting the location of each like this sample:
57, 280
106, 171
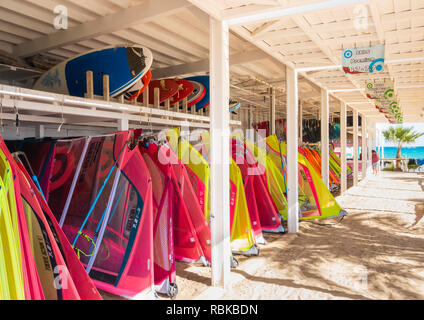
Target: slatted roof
317, 38
177, 33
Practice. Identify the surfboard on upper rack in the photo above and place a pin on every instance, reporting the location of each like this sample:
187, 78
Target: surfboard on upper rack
139, 87
125, 65
185, 88
197, 94
167, 89
204, 80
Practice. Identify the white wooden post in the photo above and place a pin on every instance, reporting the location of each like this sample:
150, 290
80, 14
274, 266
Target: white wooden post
343, 174
355, 147
220, 152
89, 84
300, 122
371, 142
364, 146
123, 124
382, 144
146, 97
39, 131
251, 120
292, 146
272, 117
106, 88
325, 110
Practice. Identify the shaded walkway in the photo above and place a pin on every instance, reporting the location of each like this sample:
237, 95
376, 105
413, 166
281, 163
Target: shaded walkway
377, 252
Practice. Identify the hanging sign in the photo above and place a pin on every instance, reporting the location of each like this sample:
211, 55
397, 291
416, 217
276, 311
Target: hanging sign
391, 105
379, 89
363, 59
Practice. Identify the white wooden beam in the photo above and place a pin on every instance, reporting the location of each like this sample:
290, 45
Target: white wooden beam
325, 112
209, 8
272, 12
203, 65
264, 28
220, 152
292, 151
343, 145
322, 44
51, 103
149, 10
379, 29
200, 15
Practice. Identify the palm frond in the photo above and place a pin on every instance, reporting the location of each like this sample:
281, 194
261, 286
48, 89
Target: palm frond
401, 135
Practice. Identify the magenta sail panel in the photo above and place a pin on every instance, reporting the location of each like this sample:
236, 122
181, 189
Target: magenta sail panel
191, 233
51, 268
163, 206
108, 216
259, 200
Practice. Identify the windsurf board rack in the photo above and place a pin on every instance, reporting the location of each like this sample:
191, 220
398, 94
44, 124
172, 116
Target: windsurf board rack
156, 104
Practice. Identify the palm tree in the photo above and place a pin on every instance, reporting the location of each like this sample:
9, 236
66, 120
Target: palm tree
401, 136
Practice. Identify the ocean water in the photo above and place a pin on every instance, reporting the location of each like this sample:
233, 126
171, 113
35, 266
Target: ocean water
408, 152
390, 152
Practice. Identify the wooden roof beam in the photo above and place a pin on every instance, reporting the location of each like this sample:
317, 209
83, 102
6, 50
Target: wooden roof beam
203, 65
147, 11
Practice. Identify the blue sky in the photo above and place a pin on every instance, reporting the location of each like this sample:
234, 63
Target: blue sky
418, 126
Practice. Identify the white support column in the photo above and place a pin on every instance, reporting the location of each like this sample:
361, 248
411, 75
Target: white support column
381, 156
250, 117
325, 111
123, 124
343, 174
292, 145
371, 138
355, 147
300, 122
220, 153
378, 142
382, 144
364, 146
39, 131
272, 115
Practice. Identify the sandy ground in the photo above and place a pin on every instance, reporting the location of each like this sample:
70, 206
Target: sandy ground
377, 252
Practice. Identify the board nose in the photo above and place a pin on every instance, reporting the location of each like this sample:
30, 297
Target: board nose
136, 60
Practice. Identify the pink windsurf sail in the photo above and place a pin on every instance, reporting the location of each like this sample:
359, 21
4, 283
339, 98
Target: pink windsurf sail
86, 288
261, 207
108, 216
163, 214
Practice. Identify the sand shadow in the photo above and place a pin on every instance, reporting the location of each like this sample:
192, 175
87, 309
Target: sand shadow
292, 284
419, 213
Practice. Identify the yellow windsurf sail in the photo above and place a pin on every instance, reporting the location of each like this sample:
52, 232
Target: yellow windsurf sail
10, 232
275, 179
315, 200
242, 238
198, 168
11, 272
